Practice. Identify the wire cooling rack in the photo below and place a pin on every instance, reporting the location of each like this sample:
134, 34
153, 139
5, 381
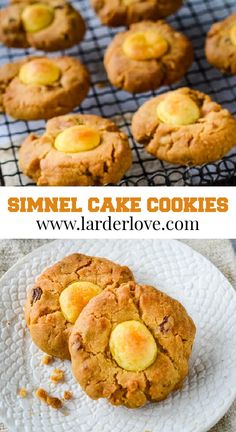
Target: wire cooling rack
194, 19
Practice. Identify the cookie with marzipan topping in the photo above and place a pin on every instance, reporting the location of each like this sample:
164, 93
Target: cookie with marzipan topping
131, 345
221, 45
48, 25
41, 88
147, 56
76, 150
60, 293
184, 127
116, 13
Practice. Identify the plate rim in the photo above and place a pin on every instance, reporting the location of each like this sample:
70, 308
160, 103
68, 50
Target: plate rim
24, 259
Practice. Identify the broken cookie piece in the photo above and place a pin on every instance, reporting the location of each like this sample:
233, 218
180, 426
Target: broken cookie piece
46, 360
76, 150
53, 402
57, 376
184, 127
22, 392
67, 395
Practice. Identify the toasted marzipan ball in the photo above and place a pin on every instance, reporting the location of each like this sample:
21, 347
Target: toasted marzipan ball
39, 72
77, 139
75, 297
178, 110
132, 346
145, 45
37, 16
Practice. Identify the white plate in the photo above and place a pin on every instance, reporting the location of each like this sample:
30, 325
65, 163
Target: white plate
176, 269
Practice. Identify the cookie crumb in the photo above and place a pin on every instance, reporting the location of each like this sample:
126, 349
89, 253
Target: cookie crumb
22, 392
67, 395
57, 375
53, 402
47, 359
101, 84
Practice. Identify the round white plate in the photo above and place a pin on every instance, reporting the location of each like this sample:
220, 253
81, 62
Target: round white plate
173, 267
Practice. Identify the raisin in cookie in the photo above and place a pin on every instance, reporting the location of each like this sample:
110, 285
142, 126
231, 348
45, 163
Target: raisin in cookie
47, 25
221, 45
61, 292
125, 12
184, 127
76, 150
131, 345
148, 56
41, 88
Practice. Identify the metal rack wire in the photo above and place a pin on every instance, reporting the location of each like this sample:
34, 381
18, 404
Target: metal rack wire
194, 19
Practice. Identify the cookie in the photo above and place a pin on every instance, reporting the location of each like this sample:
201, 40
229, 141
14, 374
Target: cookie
76, 150
131, 345
61, 292
221, 45
116, 13
148, 56
41, 88
48, 25
184, 127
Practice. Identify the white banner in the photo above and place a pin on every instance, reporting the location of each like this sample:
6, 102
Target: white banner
112, 212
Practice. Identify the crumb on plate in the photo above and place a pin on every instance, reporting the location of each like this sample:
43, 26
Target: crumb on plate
53, 402
67, 395
22, 392
101, 84
47, 359
57, 375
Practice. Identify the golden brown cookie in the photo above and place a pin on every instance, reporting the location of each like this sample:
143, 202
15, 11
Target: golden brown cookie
148, 56
221, 45
131, 345
184, 127
47, 25
60, 293
116, 13
76, 150
41, 88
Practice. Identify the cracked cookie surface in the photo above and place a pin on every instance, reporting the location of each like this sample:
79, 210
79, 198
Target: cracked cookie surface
48, 326
57, 27
30, 91
209, 135
116, 13
221, 45
105, 163
147, 56
93, 364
